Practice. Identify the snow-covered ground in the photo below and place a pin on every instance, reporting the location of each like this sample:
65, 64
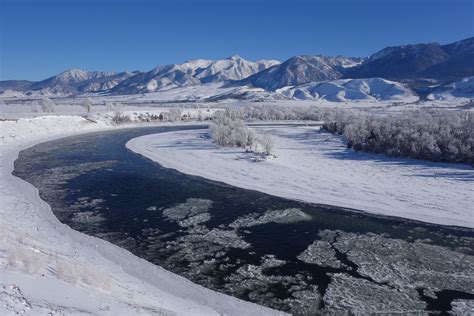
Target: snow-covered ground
352, 90
315, 166
462, 89
66, 107
48, 268
371, 94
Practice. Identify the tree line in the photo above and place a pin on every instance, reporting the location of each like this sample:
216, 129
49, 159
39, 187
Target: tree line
431, 134
436, 135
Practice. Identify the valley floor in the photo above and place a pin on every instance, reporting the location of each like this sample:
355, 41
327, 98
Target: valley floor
316, 167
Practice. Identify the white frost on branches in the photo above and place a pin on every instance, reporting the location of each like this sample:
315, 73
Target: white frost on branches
47, 105
228, 130
87, 104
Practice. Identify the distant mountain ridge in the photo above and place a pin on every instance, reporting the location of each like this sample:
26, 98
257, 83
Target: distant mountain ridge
72, 81
191, 73
443, 62
418, 65
301, 69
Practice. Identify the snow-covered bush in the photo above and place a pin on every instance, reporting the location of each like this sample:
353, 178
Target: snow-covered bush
120, 118
228, 130
25, 260
437, 135
149, 117
99, 279
73, 273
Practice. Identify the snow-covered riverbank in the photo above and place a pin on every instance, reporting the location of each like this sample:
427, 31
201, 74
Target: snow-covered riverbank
316, 167
46, 267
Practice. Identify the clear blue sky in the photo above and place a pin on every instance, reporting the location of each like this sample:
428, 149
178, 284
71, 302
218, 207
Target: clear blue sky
40, 38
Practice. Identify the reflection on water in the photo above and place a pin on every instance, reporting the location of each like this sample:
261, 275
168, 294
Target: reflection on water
298, 257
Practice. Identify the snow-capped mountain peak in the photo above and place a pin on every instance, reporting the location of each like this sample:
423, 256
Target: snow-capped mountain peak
235, 57
299, 70
231, 68
75, 75
197, 63
192, 72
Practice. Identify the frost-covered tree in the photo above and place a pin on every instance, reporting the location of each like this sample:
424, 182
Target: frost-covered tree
47, 105
120, 118
35, 107
438, 135
87, 104
252, 139
175, 114
109, 106
227, 129
267, 143
270, 112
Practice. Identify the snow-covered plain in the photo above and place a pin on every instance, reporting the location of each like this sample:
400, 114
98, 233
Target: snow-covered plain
48, 268
373, 94
315, 166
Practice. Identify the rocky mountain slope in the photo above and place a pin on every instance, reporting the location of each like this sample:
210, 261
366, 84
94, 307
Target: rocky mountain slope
442, 62
301, 69
192, 72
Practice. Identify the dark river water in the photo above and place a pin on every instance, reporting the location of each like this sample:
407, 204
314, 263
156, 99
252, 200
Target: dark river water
298, 257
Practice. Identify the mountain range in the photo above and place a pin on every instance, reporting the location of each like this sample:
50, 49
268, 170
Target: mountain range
418, 66
301, 69
192, 72
435, 61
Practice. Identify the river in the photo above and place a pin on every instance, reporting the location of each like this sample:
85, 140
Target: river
297, 257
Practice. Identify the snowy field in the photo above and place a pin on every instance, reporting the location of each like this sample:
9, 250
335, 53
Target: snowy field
47, 268
199, 97
316, 167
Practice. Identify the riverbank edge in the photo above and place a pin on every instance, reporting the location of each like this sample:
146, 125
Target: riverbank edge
187, 166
